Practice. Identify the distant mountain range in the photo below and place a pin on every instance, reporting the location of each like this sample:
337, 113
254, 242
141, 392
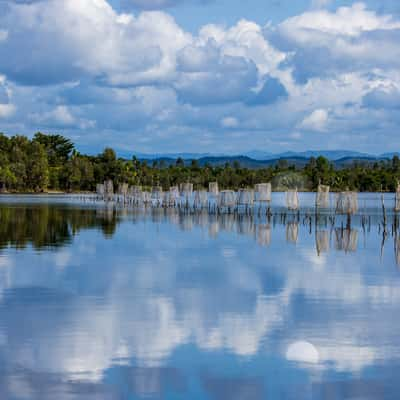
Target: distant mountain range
259, 159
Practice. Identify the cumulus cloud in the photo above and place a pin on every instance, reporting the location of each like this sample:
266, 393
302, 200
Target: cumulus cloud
229, 122
60, 117
141, 78
90, 39
322, 42
316, 121
7, 110
382, 98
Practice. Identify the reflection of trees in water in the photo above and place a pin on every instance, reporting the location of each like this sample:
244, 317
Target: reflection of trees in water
50, 226
54, 225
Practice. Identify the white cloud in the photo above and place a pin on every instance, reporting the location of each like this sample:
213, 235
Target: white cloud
61, 116
229, 122
316, 121
3, 35
347, 21
7, 110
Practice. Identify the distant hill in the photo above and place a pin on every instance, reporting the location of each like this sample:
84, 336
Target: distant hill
258, 155
260, 159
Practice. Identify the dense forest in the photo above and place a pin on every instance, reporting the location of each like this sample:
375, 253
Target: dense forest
52, 163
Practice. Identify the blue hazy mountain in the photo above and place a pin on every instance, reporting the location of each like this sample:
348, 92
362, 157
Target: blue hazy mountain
260, 155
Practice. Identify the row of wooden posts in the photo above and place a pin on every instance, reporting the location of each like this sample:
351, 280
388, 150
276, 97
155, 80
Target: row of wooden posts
346, 203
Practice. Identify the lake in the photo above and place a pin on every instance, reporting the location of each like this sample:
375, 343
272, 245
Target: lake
101, 302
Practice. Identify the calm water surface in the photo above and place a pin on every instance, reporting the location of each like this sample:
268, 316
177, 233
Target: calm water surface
97, 303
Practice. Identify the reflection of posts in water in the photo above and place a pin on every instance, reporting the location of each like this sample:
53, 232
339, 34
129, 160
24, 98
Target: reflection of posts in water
397, 249
292, 232
264, 234
346, 239
185, 222
322, 241
213, 227
227, 222
245, 225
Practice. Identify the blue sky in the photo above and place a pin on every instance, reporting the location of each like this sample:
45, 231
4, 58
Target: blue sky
222, 76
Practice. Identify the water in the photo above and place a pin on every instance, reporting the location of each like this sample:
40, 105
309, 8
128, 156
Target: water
97, 303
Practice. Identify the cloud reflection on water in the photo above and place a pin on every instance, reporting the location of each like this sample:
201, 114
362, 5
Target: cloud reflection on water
77, 318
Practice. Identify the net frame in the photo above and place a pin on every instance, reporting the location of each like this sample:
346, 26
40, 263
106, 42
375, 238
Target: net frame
292, 199
347, 203
322, 196
100, 189
213, 188
397, 199
263, 192
109, 189
123, 189
200, 199
245, 197
227, 198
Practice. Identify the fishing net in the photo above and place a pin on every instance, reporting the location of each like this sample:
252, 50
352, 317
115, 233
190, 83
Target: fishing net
263, 192
157, 196
292, 199
172, 196
100, 189
347, 203
227, 198
200, 199
186, 188
109, 189
397, 201
213, 188
245, 197
322, 199
123, 189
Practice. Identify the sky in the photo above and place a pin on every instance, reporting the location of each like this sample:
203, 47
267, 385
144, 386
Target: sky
203, 76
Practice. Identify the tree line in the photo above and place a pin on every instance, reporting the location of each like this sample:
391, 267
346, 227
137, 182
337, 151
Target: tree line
50, 162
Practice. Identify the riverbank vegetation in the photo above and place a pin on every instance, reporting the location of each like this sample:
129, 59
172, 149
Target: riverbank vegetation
52, 163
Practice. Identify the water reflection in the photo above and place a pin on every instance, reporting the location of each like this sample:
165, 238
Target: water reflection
167, 305
50, 225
